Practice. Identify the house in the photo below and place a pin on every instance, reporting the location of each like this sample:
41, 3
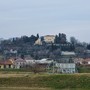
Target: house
66, 53
38, 42
86, 61
82, 61
49, 38
67, 56
19, 63
29, 60
65, 67
44, 61
6, 64
78, 61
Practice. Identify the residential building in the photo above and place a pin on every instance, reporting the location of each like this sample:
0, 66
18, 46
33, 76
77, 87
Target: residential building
19, 63
67, 56
82, 61
49, 38
45, 61
86, 61
78, 61
29, 60
66, 67
6, 64
38, 42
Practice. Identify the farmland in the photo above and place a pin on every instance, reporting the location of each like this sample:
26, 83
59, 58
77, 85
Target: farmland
26, 88
30, 81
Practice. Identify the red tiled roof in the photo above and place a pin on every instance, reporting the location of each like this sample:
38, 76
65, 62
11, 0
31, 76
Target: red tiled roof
20, 60
6, 62
88, 59
1, 63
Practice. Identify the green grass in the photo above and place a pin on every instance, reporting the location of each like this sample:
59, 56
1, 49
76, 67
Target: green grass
26, 88
56, 82
84, 69
14, 70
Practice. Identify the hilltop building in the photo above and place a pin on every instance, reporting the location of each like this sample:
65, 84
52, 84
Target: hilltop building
46, 39
49, 38
38, 42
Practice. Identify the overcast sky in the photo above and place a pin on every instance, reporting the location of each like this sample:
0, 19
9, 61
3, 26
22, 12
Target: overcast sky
26, 17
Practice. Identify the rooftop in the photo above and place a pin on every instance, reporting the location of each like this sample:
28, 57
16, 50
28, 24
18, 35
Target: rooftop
68, 53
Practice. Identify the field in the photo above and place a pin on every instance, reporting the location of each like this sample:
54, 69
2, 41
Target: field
30, 81
83, 69
24, 88
20, 88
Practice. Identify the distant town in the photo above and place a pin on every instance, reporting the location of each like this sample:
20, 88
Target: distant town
49, 53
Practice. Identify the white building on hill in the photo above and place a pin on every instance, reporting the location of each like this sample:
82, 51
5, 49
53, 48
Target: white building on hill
38, 42
49, 38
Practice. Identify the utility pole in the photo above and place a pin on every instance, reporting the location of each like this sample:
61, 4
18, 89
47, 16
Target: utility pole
53, 67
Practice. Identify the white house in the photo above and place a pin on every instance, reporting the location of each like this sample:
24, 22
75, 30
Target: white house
44, 61
66, 67
67, 56
38, 42
86, 61
49, 38
66, 53
19, 63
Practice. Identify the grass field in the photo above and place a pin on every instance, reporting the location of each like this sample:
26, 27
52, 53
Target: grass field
84, 69
25, 88
30, 81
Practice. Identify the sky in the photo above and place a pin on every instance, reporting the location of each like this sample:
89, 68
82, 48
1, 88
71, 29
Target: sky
46, 17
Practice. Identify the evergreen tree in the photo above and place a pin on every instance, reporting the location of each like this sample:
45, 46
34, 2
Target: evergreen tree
37, 36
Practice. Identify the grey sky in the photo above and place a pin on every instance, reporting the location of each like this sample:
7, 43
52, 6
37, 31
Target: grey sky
26, 17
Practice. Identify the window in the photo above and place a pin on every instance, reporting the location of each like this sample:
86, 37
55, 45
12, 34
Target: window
4, 66
20, 67
9, 66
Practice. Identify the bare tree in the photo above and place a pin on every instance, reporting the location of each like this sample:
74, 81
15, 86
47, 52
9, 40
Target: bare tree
37, 68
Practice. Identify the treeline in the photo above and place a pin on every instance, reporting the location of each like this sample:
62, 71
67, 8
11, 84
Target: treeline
61, 39
24, 45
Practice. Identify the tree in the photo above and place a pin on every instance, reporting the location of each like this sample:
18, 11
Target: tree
88, 46
63, 39
37, 36
73, 40
37, 68
60, 39
25, 39
56, 39
22, 56
84, 44
32, 39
